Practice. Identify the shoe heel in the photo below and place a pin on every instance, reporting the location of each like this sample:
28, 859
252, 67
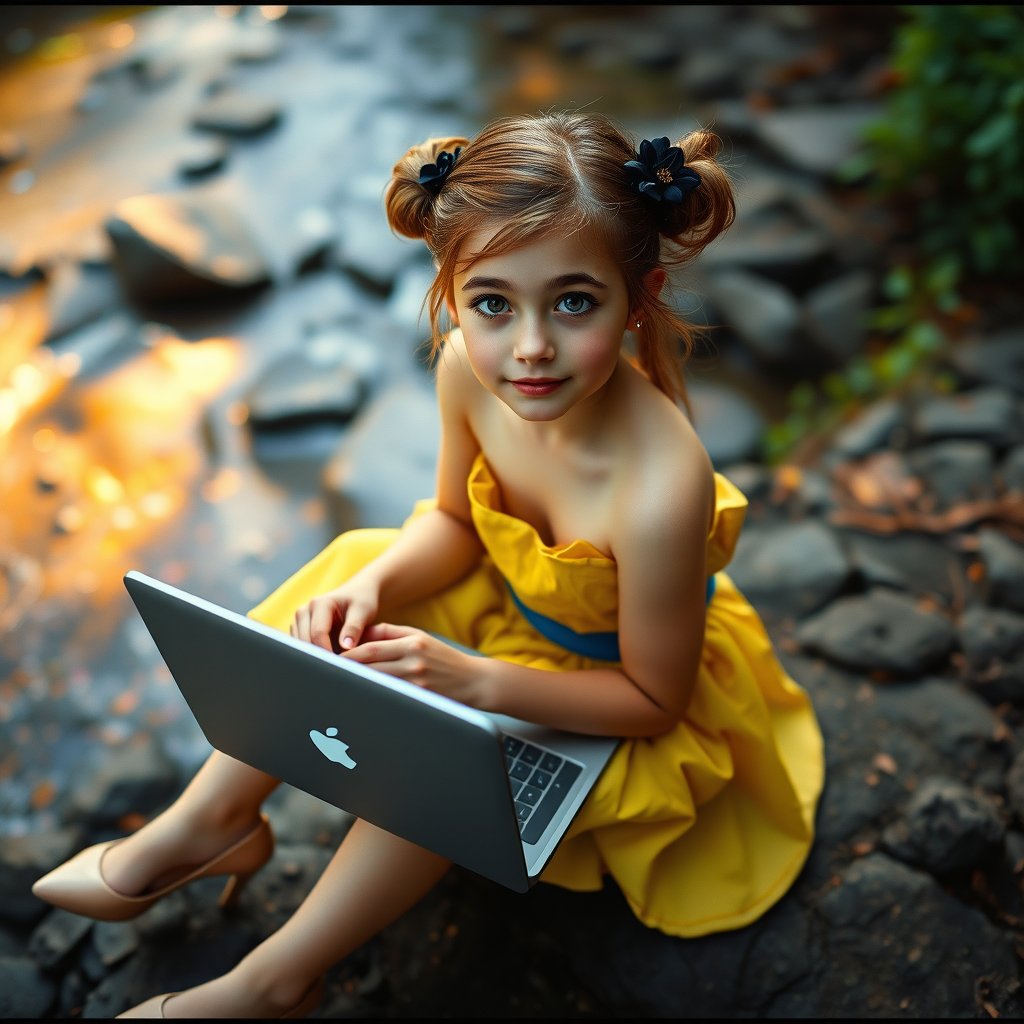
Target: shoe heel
232, 891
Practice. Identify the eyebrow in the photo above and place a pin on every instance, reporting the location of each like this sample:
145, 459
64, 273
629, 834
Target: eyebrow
556, 282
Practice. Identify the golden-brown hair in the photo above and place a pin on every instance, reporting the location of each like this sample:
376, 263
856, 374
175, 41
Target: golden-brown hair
562, 173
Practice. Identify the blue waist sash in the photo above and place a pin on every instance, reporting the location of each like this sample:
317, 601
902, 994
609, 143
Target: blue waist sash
601, 646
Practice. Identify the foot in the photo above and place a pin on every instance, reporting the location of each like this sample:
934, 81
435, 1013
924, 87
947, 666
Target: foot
168, 848
235, 995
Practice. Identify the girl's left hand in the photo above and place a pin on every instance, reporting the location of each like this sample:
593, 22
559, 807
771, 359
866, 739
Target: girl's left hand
417, 657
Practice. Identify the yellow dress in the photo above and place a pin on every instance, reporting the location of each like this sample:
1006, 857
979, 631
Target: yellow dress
703, 828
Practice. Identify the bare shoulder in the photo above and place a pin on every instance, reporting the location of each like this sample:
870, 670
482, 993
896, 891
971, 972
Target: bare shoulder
669, 492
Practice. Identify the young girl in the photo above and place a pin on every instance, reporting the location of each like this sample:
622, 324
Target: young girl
577, 537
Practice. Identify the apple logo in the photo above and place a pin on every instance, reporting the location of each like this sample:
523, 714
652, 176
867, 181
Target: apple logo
332, 749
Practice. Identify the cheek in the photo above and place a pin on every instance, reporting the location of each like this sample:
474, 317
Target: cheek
596, 351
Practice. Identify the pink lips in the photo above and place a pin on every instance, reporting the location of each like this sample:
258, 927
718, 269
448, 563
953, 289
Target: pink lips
537, 386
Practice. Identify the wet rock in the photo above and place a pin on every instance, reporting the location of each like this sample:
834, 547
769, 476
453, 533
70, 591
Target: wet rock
898, 944
25, 992
774, 242
792, 568
988, 415
1015, 787
24, 860
816, 139
56, 937
77, 295
703, 75
168, 248
137, 778
369, 251
836, 313
100, 346
1004, 568
1010, 472
204, 156
953, 473
387, 461
882, 424
406, 306
728, 425
880, 631
305, 819
301, 388
996, 359
763, 314
12, 148
992, 641
236, 113
945, 827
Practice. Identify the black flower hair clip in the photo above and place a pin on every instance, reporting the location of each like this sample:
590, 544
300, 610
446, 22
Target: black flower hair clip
432, 176
660, 172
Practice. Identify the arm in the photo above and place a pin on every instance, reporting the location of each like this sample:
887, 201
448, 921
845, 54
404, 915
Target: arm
661, 555
432, 551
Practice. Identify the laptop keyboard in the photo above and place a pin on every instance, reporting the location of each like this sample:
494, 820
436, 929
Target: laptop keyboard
540, 780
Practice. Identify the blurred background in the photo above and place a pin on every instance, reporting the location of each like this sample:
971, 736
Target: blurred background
211, 346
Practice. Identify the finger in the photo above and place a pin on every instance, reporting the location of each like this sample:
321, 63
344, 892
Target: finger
377, 652
354, 626
300, 624
321, 619
388, 631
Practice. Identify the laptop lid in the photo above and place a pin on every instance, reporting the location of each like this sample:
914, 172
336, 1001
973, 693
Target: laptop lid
415, 763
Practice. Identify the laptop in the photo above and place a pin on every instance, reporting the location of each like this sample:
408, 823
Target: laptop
491, 793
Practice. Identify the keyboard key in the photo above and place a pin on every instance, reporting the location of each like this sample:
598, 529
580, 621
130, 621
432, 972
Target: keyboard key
523, 811
516, 786
520, 771
550, 763
531, 755
540, 779
529, 795
555, 794
512, 745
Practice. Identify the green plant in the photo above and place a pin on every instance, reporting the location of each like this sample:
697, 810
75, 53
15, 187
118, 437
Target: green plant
949, 153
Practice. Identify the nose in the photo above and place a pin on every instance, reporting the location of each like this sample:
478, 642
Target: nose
533, 344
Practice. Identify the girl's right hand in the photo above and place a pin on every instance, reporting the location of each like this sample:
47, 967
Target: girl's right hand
336, 620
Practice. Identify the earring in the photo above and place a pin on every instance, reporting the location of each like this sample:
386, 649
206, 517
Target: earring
639, 324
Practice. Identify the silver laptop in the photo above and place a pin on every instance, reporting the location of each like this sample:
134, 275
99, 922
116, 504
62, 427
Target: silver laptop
491, 793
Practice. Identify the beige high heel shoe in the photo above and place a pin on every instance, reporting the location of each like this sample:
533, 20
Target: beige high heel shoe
78, 884
154, 1008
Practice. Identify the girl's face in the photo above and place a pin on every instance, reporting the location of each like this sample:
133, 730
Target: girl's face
543, 324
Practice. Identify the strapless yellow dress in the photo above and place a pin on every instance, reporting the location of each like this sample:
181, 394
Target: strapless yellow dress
704, 827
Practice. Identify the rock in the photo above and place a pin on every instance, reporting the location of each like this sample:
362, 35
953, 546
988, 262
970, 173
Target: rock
898, 944
236, 113
168, 248
1010, 472
817, 139
1015, 787
56, 937
138, 778
204, 156
24, 860
764, 315
25, 992
78, 295
370, 252
728, 425
100, 345
880, 631
954, 473
992, 641
989, 415
996, 359
387, 462
791, 567
836, 313
1004, 568
945, 827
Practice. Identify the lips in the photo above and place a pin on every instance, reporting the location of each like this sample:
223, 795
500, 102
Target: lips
536, 386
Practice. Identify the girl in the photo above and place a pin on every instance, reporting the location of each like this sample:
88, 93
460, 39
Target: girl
577, 537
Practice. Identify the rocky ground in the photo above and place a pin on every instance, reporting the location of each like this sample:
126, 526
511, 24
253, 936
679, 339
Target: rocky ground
223, 336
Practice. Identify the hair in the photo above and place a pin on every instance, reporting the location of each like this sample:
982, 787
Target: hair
561, 173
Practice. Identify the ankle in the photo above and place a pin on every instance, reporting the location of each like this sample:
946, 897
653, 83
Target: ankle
277, 985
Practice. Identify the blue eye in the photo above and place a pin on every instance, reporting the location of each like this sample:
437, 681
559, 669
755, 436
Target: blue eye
490, 306
576, 303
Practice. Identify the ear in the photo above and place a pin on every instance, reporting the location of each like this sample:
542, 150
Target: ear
653, 282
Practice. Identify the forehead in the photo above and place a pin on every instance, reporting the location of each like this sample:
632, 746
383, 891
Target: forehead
544, 257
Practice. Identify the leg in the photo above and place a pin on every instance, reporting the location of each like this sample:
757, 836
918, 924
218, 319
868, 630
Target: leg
217, 807
371, 881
